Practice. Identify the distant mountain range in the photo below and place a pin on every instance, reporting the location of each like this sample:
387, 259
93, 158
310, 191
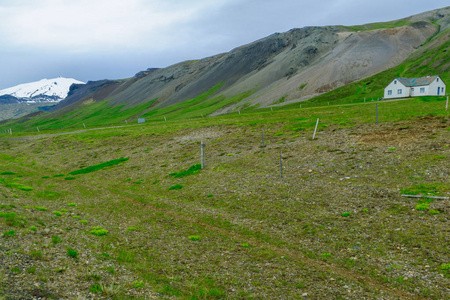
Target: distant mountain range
45, 90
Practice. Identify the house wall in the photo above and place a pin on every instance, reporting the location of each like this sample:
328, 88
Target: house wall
417, 91
395, 86
432, 88
427, 90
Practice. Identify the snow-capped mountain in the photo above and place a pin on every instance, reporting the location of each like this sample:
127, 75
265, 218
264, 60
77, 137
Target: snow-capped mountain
45, 90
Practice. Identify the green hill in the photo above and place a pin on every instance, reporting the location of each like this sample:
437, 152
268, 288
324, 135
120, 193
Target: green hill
327, 65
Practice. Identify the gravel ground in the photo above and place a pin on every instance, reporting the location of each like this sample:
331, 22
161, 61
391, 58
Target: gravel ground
261, 236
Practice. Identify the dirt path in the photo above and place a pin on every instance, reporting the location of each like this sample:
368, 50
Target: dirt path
33, 137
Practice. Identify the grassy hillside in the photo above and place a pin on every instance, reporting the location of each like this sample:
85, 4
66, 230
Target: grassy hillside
93, 114
101, 213
379, 25
432, 59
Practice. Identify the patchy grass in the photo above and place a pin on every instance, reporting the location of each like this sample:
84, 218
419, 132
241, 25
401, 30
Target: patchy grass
72, 253
191, 171
236, 229
98, 167
176, 187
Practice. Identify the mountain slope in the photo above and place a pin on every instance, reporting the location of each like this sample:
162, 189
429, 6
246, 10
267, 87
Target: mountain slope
432, 58
284, 67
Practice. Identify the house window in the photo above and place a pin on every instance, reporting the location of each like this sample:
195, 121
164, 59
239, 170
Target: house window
399, 91
395, 81
442, 90
422, 90
389, 92
437, 79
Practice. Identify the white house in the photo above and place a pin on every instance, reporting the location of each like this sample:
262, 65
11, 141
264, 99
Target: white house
414, 87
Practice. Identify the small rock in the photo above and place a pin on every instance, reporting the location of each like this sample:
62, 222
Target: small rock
304, 294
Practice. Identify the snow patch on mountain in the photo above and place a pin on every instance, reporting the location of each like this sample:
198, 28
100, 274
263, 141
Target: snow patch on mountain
45, 90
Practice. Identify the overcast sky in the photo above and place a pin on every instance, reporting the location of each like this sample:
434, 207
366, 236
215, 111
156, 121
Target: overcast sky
98, 39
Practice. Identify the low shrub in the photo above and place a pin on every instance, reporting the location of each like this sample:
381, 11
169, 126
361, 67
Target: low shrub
194, 237
176, 187
422, 206
57, 213
10, 233
98, 231
72, 253
56, 239
137, 284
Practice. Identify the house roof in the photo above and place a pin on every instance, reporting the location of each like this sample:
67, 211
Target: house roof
421, 81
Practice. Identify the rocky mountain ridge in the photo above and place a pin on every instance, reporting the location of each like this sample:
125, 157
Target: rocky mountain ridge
291, 66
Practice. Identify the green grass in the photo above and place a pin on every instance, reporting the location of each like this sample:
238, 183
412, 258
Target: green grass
423, 189
72, 253
7, 173
422, 206
103, 114
194, 238
176, 187
56, 239
91, 115
191, 171
99, 166
19, 186
203, 104
379, 25
10, 233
